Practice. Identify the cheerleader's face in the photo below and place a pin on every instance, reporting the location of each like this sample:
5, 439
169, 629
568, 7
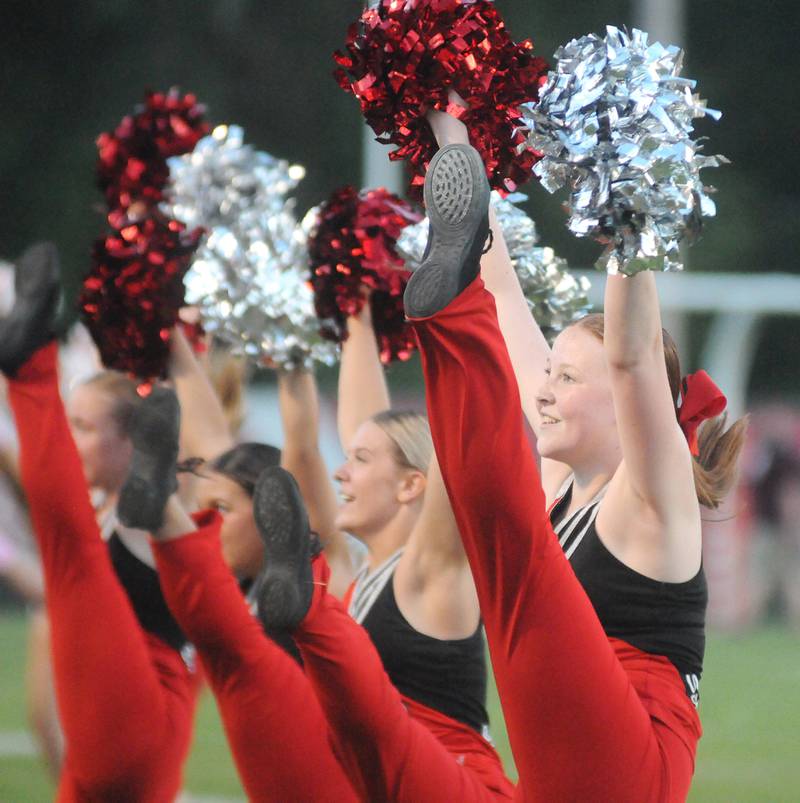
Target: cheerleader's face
242, 548
105, 450
373, 487
576, 409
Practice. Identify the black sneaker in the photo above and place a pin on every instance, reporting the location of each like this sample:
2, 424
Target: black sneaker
151, 478
285, 586
31, 323
457, 206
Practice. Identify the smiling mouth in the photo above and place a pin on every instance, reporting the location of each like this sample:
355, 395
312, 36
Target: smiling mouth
548, 419
345, 498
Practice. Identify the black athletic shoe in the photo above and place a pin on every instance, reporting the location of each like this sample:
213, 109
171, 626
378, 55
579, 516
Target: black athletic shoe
285, 585
457, 206
151, 478
31, 322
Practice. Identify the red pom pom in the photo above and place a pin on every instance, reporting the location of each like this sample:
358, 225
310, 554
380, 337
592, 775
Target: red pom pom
352, 250
195, 333
132, 160
403, 57
131, 297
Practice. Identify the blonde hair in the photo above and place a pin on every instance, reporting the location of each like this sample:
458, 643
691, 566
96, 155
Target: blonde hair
716, 466
122, 390
410, 435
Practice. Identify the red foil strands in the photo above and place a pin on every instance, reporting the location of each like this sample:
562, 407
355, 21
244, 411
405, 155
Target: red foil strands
196, 335
132, 159
131, 297
403, 56
352, 250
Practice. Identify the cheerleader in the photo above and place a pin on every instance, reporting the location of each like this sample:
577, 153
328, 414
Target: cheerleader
598, 662
124, 686
396, 747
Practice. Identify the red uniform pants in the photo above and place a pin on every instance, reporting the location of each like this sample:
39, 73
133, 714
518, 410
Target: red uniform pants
275, 727
402, 751
589, 719
125, 699
295, 736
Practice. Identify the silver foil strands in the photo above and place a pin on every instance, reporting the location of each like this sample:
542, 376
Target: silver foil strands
614, 122
248, 276
555, 297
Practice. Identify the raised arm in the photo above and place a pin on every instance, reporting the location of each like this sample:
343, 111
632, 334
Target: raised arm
527, 347
656, 471
299, 406
433, 582
362, 383
204, 428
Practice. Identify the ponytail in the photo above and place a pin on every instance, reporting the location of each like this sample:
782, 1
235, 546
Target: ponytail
716, 466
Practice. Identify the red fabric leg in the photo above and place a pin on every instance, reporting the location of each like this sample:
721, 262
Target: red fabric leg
395, 757
275, 727
125, 699
578, 728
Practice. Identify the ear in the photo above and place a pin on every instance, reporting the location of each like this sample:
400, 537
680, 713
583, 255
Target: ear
411, 487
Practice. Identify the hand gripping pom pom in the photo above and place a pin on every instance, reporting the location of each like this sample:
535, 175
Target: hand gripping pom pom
352, 253
132, 159
249, 276
131, 297
555, 297
400, 60
614, 123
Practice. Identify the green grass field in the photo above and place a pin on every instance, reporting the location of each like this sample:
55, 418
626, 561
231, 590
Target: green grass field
751, 715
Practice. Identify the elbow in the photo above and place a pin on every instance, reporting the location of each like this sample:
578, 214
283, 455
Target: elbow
634, 354
624, 363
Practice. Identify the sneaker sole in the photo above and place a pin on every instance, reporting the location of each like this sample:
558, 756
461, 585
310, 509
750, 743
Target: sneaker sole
151, 477
285, 585
456, 200
31, 322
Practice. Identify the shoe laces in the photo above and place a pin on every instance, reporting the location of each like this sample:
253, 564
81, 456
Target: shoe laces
488, 246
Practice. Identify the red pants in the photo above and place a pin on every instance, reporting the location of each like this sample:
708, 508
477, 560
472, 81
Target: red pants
275, 727
284, 746
125, 699
589, 719
401, 750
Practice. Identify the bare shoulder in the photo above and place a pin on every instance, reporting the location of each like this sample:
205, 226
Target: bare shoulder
664, 546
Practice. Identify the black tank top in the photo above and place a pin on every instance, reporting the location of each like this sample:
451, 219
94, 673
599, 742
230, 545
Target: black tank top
447, 676
140, 582
656, 617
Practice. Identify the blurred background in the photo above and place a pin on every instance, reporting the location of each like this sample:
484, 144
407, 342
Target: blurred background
71, 70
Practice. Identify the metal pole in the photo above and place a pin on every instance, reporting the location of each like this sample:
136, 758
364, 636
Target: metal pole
728, 355
376, 169
664, 20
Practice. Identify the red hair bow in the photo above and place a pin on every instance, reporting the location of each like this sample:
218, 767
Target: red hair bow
700, 399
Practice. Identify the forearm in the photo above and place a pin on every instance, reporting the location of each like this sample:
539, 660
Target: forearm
362, 384
632, 334
527, 347
525, 342
24, 574
299, 406
204, 428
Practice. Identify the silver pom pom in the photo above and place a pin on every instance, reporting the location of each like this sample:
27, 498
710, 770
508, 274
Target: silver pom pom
555, 297
248, 276
614, 122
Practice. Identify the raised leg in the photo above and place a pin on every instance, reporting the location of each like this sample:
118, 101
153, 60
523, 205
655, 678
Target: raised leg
107, 670
580, 725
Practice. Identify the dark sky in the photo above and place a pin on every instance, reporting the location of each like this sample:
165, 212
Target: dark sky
72, 69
